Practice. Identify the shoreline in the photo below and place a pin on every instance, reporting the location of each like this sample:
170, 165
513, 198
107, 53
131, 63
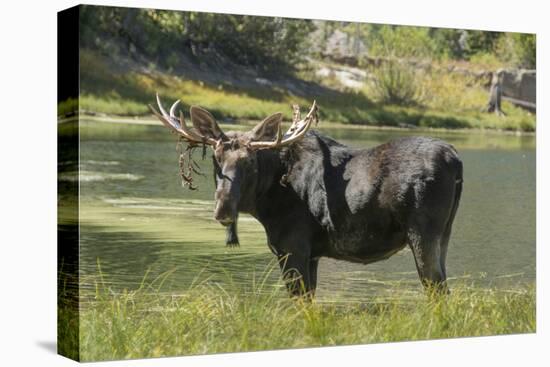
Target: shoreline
136, 120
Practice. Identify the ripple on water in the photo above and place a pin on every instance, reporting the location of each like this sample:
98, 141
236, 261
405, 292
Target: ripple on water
94, 176
99, 163
160, 204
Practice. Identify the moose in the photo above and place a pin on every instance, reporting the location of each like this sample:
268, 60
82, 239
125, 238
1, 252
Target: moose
318, 198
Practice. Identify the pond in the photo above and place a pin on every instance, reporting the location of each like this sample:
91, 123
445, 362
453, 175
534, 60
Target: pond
137, 220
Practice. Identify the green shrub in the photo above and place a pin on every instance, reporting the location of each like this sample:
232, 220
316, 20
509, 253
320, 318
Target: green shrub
397, 82
402, 41
518, 50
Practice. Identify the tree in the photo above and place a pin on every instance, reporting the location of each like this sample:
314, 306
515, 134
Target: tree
264, 43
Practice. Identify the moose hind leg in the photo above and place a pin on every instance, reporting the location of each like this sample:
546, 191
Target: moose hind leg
313, 265
296, 274
444, 245
448, 229
428, 258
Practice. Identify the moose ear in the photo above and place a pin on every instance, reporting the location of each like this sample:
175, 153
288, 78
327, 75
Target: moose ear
206, 124
267, 129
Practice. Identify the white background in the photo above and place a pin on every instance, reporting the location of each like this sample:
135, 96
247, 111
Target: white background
28, 182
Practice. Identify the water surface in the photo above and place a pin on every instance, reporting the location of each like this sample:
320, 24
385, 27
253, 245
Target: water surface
137, 219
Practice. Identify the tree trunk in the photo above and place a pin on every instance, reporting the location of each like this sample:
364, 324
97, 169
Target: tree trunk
495, 99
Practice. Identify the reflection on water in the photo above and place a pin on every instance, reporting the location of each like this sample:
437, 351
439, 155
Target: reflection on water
136, 219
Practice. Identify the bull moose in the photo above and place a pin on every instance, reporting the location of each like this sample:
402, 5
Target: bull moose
318, 198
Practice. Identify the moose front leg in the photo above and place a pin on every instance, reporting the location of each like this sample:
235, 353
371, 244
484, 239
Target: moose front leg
231, 235
296, 274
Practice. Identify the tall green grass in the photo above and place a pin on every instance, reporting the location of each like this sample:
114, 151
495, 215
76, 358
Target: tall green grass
210, 317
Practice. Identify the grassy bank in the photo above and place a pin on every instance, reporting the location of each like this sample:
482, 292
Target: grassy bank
209, 318
453, 101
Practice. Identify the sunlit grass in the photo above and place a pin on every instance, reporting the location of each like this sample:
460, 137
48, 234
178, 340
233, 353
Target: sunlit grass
211, 318
448, 101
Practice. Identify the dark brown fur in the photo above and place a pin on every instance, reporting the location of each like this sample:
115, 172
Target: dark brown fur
360, 205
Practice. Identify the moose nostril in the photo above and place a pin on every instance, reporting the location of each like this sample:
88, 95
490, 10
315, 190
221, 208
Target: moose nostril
222, 214
219, 212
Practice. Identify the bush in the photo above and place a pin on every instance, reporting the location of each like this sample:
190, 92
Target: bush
446, 91
397, 82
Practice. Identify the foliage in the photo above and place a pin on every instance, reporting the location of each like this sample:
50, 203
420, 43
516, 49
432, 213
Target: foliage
505, 49
404, 41
494, 49
209, 318
518, 49
396, 82
68, 329
67, 107
488, 61
401, 42
452, 91
121, 46
527, 44
266, 43
168, 36
480, 41
449, 43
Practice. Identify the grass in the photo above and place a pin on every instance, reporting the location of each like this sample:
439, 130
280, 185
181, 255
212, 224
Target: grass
449, 101
211, 318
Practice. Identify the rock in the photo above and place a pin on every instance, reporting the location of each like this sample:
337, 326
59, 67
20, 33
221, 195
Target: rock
520, 84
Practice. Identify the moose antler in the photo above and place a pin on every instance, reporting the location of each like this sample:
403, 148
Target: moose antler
179, 126
295, 132
187, 164
297, 129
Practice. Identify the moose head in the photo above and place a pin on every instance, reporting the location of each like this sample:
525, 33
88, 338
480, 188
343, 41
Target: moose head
236, 165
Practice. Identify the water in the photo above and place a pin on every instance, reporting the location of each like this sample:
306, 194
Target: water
136, 219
